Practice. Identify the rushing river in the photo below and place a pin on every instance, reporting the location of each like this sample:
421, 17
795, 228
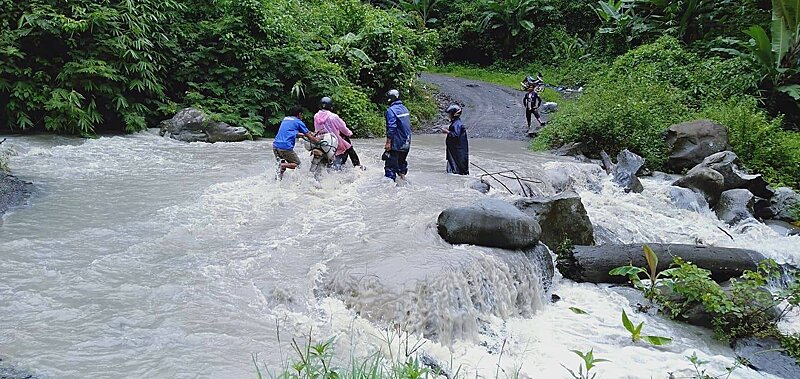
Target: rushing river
140, 257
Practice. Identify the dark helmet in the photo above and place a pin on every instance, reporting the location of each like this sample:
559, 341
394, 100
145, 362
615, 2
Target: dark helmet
453, 110
392, 96
326, 103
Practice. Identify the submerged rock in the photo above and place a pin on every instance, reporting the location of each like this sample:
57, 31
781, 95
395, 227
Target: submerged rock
704, 181
592, 263
446, 296
685, 198
628, 165
783, 228
490, 222
13, 191
690, 142
192, 125
766, 355
480, 186
735, 206
560, 216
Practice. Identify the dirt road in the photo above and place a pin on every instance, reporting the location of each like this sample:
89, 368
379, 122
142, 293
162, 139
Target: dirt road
490, 111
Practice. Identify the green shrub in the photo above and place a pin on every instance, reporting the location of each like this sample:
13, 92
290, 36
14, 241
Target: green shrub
75, 65
613, 116
760, 143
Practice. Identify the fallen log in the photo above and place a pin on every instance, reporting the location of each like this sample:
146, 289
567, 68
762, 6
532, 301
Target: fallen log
592, 263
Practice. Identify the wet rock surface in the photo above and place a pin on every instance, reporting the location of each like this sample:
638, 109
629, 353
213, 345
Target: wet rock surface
13, 192
560, 216
690, 142
489, 222
192, 125
735, 206
624, 172
704, 181
766, 355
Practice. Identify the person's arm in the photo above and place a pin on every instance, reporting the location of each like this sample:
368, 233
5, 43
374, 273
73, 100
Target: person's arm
538, 101
343, 127
311, 137
391, 128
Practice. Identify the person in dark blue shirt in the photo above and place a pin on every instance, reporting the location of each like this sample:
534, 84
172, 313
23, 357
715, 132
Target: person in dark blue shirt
398, 137
456, 143
291, 127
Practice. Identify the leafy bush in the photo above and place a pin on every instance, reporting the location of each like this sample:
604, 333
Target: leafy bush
746, 308
761, 144
74, 65
80, 64
613, 116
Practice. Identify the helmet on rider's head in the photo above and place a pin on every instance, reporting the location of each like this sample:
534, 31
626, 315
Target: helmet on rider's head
326, 103
392, 96
453, 110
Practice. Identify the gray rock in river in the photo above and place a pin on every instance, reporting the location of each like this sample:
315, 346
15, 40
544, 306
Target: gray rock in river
704, 181
685, 198
726, 163
766, 355
489, 222
560, 216
480, 186
735, 206
690, 142
783, 228
784, 205
192, 125
13, 191
628, 165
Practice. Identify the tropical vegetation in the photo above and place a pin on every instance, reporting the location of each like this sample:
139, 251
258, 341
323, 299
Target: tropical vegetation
84, 67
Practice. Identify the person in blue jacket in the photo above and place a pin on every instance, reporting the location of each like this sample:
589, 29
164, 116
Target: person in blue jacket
291, 127
398, 137
456, 143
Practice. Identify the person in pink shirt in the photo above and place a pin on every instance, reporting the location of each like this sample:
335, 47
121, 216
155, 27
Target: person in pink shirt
325, 121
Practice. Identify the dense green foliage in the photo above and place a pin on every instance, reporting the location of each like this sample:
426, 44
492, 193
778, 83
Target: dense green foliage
646, 90
76, 66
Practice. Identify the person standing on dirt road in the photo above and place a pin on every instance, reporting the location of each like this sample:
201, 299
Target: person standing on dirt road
398, 137
532, 101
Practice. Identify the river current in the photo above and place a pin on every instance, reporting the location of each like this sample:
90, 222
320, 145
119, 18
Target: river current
140, 256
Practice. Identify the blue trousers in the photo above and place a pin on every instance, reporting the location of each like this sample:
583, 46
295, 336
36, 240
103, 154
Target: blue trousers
396, 164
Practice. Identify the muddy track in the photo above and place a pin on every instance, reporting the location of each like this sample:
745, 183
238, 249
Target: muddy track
490, 111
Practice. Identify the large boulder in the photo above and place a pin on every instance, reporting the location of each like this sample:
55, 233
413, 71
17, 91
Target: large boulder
768, 356
690, 142
685, 198
628, 165
560, 216
592, 263
192, 125
13, 191
489, 222
725, 163
785, 205
704, 181
735, 206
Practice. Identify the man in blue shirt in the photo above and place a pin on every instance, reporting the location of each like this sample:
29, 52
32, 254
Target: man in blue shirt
398, 137
291, 127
